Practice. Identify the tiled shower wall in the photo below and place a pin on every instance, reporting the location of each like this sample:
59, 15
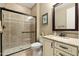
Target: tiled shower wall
19, 30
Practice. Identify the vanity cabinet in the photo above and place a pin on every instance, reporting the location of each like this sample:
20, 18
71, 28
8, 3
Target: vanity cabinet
48, 47
52, 47
61, 53
67, 48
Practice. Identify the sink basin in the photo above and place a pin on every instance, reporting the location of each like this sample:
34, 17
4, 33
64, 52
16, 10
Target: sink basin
66, 37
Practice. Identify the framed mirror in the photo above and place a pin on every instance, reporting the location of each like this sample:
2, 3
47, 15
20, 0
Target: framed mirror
65, 17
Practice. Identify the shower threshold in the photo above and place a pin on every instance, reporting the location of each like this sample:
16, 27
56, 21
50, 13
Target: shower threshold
14, 50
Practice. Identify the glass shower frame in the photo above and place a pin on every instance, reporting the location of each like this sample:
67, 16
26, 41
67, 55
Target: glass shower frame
1, 17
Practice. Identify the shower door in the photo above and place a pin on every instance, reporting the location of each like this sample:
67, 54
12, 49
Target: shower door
18, 32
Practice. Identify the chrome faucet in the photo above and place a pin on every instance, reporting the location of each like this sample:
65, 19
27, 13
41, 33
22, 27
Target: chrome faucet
62, 34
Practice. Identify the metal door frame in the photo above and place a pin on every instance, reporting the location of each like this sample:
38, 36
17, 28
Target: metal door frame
1, 8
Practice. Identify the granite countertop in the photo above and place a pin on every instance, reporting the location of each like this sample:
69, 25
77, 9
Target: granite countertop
67, 40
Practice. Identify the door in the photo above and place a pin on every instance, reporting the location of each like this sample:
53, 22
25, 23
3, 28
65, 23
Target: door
12, 31
18, 31
48, 47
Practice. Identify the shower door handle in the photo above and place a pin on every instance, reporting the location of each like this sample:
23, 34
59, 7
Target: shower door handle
28, 32
3, 27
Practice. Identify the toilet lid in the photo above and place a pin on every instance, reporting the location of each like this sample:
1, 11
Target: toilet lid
36, 45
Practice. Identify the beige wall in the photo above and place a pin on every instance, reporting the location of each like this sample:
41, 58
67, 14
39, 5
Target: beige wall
34, 9
46, 8
47, 29
36, 12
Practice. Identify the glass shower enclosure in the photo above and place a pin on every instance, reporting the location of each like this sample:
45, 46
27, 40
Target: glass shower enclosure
19, 31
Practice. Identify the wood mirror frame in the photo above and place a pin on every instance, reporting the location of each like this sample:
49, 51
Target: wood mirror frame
76, 19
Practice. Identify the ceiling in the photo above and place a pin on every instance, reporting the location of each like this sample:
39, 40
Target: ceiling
29, 5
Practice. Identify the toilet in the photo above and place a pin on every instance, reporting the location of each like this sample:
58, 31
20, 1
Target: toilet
37, 48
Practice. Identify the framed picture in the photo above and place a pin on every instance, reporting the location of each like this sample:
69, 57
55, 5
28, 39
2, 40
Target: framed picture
45, 18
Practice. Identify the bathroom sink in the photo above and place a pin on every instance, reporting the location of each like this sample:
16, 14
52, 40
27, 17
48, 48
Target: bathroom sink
66, 37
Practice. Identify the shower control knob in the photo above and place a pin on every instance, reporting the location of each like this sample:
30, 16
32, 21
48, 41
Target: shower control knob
3, 27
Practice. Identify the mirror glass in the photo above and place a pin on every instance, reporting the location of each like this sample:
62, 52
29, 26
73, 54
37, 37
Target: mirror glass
65, 16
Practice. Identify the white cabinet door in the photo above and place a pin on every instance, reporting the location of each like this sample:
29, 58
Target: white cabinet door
48, 47
78, 51
61, 53
67, 48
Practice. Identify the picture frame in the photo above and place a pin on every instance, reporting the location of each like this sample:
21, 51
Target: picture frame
45, 18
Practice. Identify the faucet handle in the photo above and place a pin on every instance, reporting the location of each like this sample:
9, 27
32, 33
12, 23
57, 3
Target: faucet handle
62, 34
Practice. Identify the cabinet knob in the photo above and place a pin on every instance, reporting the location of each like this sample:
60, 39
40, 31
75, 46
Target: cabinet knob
61, 54
52, 45
63, 47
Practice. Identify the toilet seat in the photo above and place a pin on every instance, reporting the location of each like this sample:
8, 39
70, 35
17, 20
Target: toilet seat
36, 45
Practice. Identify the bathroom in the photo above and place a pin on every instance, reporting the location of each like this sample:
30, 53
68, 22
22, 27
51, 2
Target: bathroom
25, 24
